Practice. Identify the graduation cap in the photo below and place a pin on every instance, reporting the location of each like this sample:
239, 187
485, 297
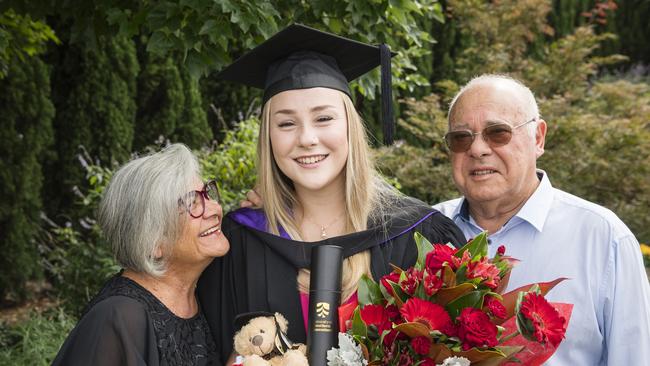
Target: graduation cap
300, 57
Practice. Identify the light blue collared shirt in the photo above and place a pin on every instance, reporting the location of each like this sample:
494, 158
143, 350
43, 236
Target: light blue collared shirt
556, 234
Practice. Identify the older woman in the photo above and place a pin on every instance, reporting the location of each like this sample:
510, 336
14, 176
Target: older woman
164, 225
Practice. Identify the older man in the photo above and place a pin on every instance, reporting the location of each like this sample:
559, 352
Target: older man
495, 138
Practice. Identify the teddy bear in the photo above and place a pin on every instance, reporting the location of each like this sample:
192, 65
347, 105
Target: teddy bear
262, 341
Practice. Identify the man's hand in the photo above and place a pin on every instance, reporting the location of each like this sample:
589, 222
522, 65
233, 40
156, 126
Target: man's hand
253, 200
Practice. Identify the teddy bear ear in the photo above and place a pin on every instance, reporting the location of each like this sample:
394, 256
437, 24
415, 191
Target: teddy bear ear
284, 324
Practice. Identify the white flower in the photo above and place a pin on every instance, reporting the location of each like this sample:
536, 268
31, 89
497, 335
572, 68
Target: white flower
348, 354
455, 361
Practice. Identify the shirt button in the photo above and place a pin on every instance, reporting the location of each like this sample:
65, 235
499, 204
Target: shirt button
489, 241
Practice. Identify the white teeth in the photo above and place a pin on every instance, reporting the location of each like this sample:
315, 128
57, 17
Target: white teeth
483, 172
311, 159
210, 231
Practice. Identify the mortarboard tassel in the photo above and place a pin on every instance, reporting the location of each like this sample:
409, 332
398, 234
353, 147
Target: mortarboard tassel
386, 95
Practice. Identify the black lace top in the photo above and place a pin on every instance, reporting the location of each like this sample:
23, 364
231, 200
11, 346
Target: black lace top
127, 325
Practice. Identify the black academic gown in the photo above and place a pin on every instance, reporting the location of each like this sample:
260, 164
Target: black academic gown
260, 271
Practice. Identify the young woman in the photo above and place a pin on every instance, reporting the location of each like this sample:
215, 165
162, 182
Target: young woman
319, 186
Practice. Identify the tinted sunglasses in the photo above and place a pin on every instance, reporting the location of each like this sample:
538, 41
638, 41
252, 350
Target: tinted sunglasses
495, 135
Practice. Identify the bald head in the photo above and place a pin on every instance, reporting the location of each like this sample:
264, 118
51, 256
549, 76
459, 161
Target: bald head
519, 97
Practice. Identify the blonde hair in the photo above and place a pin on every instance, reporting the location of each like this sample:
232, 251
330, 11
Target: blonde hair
365, 194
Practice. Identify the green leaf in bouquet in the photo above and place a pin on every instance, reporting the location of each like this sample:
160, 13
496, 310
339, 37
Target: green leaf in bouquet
358, 326
424, 247
369, 291
510, 298
506, 353
461, 274
386, 294
446, 295
473, 299
414, 329
400, 297
478, 247
448, 276
439, 352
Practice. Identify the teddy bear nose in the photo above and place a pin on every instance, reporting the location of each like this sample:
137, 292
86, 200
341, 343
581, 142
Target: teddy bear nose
257, 340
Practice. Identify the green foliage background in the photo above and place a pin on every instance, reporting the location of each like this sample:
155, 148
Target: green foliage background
85, 85
25, 135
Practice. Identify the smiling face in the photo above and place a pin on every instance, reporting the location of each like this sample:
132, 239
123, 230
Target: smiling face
309, 139
201, 238
504, 174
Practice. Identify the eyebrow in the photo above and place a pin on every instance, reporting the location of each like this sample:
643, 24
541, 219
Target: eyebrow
315, 109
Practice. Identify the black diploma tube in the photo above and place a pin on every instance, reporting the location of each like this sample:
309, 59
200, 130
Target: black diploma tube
324, 300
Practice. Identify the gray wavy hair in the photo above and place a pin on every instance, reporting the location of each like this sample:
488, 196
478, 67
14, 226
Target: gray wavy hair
139, 212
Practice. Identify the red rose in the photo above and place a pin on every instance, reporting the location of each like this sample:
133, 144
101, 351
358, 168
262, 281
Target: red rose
493, 306
392, 277
440, 254
393, 314
475, 329
501, 250
427, 362
421, 345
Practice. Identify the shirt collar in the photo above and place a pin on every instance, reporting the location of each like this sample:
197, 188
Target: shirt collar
536, 208
534, 211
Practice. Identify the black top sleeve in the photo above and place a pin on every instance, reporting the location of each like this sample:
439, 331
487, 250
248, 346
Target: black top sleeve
116, 331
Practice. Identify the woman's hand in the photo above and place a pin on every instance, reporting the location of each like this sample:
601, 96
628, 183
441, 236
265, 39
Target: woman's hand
253, 199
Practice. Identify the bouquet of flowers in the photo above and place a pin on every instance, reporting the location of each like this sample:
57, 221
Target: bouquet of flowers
450, 309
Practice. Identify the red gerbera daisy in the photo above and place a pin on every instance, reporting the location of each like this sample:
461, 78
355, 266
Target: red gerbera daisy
432, 315
376, 315
549, 326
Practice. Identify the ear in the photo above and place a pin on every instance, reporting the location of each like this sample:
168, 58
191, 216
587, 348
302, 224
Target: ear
240, 343
284, 324
158, 252
540, 138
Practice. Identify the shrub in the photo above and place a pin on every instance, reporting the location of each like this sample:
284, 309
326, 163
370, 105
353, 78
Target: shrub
35, 341
232, 163
25, 134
